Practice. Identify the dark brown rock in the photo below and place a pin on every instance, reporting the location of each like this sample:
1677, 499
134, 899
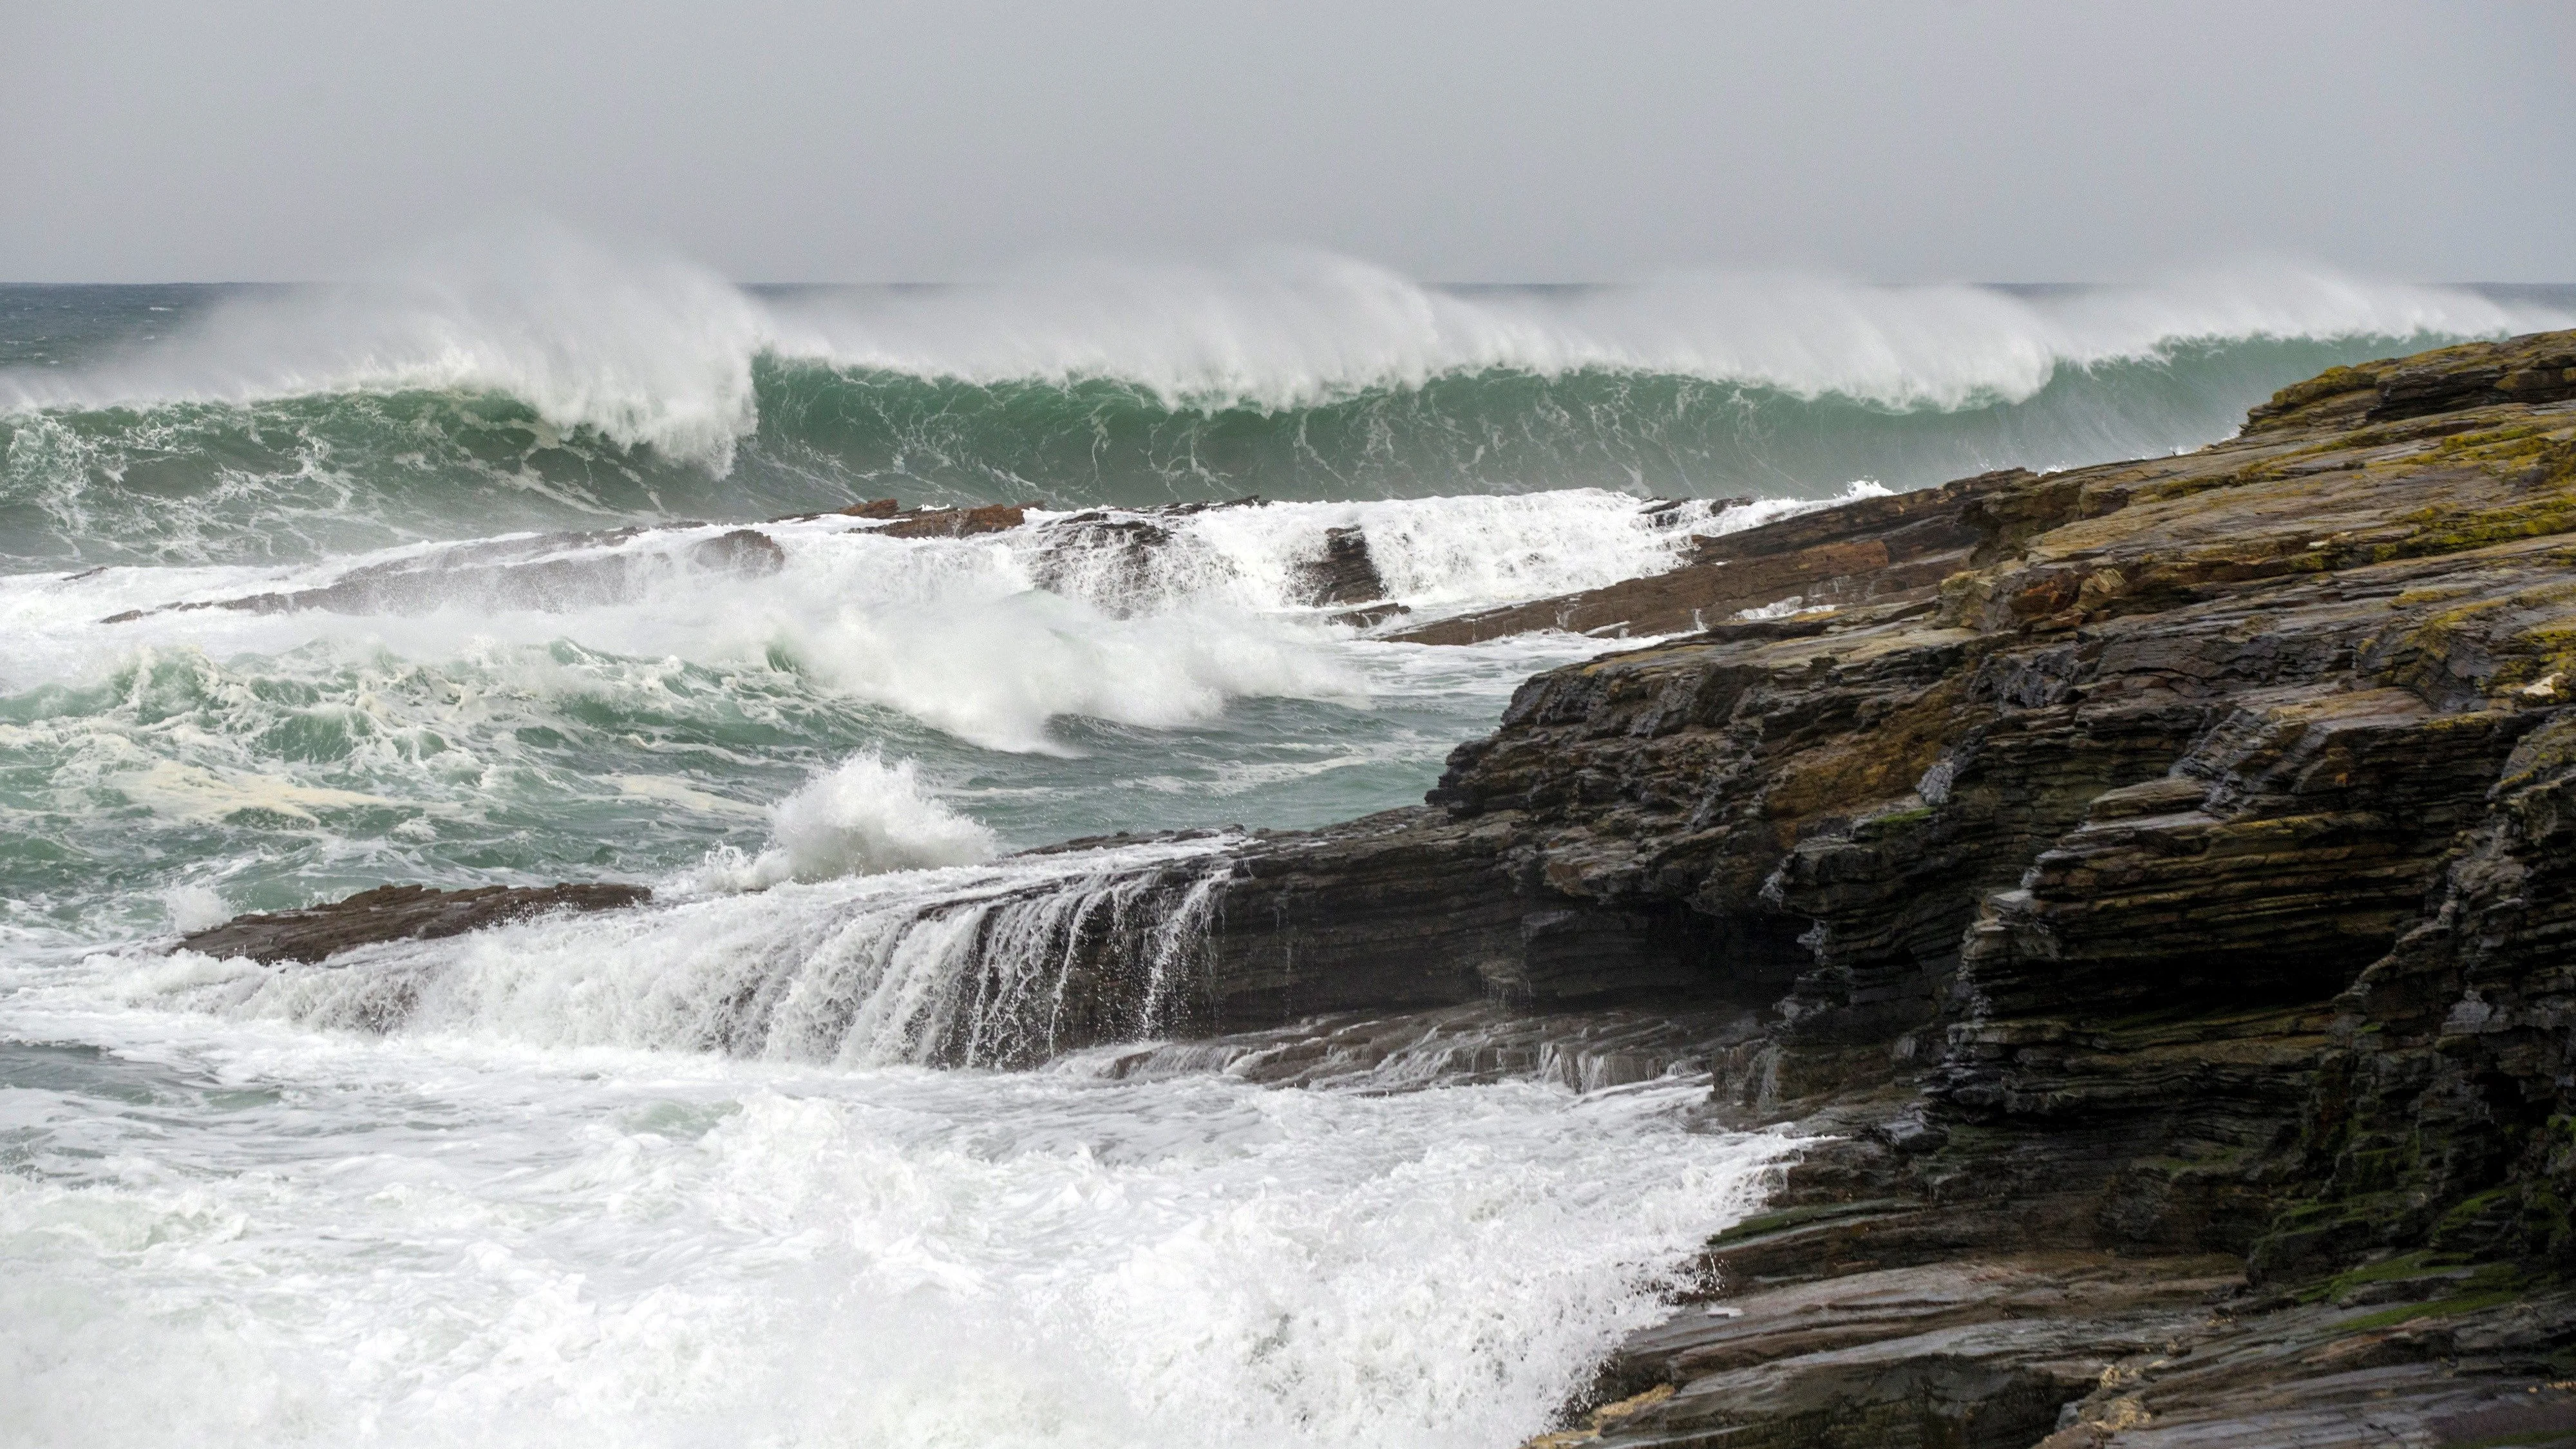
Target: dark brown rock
955, 522
2067, 860
1978, 1351
398, 913
1345, 574
2202, 743
745, 553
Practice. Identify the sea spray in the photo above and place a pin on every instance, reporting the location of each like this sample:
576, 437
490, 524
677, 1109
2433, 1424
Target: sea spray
863, 817
641, 350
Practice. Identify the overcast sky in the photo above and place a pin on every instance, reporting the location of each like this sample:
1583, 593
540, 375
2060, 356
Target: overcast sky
788, 140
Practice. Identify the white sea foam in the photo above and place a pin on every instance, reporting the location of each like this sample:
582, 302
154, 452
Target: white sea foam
1434, 554
1789, 608
657, 351
568, 1241
993, 639
1442, 552
951, 632
195, 907
322, 1240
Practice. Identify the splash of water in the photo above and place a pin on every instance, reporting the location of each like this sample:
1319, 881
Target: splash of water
862, 818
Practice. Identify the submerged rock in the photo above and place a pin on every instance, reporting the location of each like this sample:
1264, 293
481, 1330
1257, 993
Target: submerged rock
553, 573
744, 553
956, 522
1100, 555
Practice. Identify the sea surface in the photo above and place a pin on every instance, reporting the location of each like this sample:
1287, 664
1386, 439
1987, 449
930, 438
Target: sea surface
538, 1185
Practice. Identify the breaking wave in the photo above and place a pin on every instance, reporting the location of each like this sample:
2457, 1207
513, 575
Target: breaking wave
543, 383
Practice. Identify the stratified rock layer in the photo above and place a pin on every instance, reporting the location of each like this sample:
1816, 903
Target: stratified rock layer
2187, 884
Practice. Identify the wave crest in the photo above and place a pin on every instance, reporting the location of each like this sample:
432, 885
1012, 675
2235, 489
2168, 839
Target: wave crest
1291, 330
655, 351
535, 383
645, 351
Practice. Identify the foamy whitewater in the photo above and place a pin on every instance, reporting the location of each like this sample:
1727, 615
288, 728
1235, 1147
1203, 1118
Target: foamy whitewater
685, 1175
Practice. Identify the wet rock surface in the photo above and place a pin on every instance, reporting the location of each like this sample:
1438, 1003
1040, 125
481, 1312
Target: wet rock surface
1584, 1051
398, 913
1345, 574
957, 522
2186, 888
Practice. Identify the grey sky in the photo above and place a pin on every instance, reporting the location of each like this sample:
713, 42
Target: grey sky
782, 139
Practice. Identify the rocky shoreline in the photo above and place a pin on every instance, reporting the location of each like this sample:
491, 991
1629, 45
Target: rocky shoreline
2157, 881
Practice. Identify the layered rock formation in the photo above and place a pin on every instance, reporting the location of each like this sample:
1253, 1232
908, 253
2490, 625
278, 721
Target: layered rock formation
2184, 890
2150, 882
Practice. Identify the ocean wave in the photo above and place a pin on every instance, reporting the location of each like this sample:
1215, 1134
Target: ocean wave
312, 477
643, 352
1293, 331
654, 351
546, 383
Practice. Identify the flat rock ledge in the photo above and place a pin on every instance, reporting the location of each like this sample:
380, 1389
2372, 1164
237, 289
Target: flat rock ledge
397, 913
